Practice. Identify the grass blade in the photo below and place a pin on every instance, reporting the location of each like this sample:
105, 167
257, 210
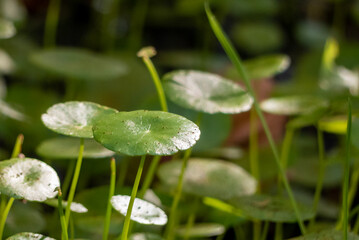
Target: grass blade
235, 59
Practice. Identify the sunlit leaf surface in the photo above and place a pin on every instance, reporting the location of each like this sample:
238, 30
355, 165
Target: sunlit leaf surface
146, 132
68, 148
268, 208
29, 236
28, 178
74, 118
201, 230
209, 177
142, 212
293, 105
79, 64
205, 92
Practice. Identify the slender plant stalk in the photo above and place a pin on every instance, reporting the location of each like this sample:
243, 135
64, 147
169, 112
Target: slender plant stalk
4, 216
322, 165
74, 182
62, 217
169, 233
17, 147
278, 231
126, 225
122, 174
191, 218
345, 208
265, 230
67, 180
232, 54
253, 158
110, 194
146, 53
52, 19
149, 176
253, 147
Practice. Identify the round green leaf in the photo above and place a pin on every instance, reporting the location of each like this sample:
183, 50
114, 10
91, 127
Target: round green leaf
142, 212
267, 208
25, 217
206, 92
75, 207
79, 64
68, 148
258, 37
201, 230
29, 236
74, 118
146, 132
327, 235
28, 178
7, 29
262, 67
293, 105
209, 177
145, 236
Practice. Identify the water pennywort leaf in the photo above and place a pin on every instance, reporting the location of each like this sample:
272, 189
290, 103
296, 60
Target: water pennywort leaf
209, 177
79, 64
268, 208
142, 212
263, 67
68, 148
143, 132
145, 236
75, 207
330, 234
28, 178
74, 118
293, 105
205, 92
201, 230
29, 236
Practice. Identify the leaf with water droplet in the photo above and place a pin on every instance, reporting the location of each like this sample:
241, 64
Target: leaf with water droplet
145, 236
206, 92
265, 66
142, 211
68, 148
330, 234
142, 132
209, 177
7, 29
75, 207
293, 105
268, 208
28, 178
29, 236
201, 230
74, 118
79, 64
